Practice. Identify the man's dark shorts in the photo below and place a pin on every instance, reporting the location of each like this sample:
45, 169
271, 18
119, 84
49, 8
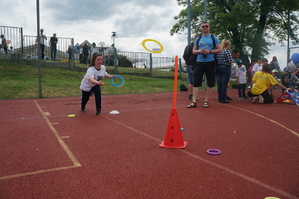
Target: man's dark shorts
208, 68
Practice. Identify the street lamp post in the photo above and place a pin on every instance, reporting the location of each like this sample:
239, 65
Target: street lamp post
114, 51
40, 93
189, 22
288, 44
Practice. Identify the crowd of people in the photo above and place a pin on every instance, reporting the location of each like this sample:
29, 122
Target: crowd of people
86, 51
207, 56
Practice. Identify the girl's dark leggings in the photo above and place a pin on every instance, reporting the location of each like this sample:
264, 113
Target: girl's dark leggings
96, 90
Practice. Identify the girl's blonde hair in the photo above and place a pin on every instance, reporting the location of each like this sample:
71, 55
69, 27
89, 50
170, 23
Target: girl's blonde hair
225, 43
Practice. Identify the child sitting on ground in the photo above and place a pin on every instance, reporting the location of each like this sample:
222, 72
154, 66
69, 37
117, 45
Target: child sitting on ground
262, 80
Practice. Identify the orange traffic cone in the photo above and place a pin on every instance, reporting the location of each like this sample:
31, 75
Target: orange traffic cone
173, 137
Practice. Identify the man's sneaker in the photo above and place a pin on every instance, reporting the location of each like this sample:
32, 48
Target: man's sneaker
254, 99
83, 109
190, 97
261, 99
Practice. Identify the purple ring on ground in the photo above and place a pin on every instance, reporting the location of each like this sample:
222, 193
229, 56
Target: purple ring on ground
213, 152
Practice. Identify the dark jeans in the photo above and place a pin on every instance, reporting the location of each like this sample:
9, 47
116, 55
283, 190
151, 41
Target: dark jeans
241, 90
5, 49
268, 98
42, 48
85, 58
190, 73
70, 57
223, 74
81, 58
53, 52
96, 90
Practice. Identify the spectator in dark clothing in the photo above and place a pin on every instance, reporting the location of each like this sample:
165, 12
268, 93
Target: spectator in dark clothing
190, 60
69, 51
53, 44
85, 52
4, 44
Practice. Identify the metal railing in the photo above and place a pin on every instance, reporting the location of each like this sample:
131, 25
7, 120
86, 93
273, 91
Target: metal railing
14, 37
30, 48
139, 63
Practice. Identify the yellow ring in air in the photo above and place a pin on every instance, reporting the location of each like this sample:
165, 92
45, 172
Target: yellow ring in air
146, 40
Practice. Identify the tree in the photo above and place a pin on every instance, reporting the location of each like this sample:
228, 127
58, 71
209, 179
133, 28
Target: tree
251, 25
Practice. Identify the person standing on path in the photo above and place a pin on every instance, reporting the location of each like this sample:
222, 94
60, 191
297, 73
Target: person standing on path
205, 47
190, 60
85, 52
3, 44
53, 44
223, 70
42, 38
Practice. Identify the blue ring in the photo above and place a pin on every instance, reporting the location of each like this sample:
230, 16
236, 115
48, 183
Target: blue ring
117, 85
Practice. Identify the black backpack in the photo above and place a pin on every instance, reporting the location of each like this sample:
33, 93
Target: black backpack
183, 87
188, 56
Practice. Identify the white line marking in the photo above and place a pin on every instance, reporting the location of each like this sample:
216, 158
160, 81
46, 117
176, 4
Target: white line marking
264, 117
245, 177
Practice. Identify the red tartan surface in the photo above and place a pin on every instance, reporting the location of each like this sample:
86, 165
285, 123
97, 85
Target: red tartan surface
46, 154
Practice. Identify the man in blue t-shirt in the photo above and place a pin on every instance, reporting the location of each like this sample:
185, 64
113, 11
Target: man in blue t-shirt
205, 47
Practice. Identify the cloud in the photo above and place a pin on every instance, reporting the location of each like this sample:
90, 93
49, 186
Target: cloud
93, 20
139, 22
70, 10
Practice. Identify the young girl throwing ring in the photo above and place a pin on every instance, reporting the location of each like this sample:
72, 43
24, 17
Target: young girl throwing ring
91, 83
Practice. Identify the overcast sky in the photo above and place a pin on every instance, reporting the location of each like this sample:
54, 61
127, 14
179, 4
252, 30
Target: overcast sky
95, 20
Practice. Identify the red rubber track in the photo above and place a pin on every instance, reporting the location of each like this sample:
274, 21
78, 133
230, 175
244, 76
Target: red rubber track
46, 154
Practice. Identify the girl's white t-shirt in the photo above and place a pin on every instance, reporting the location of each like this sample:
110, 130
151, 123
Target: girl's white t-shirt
98, 75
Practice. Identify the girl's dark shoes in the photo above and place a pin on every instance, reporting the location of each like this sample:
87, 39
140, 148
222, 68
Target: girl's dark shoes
224, 102
99, 111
